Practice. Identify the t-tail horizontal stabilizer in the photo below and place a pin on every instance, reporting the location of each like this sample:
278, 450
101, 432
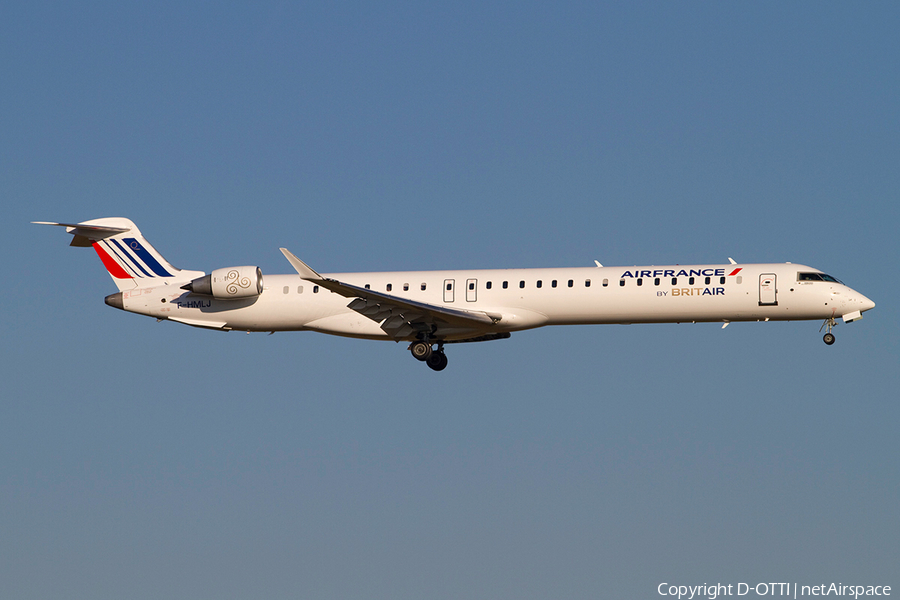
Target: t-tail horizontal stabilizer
84, 233
128, 258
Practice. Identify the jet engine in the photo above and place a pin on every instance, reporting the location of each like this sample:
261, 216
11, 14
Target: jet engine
229, 283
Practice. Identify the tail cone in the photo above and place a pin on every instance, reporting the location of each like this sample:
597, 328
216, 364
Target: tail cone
115, 300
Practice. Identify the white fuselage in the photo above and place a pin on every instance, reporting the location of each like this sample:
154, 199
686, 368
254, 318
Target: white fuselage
520, 299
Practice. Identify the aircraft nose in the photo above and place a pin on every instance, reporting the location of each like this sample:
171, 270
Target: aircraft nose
866, 303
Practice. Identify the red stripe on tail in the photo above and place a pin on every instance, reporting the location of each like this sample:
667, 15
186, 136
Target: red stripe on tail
114, 268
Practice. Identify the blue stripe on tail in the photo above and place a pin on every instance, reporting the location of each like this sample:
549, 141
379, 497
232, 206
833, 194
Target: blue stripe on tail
147, 258
128, 259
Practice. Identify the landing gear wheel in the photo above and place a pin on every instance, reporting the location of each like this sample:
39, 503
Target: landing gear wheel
420, 350
437, 361
829, 337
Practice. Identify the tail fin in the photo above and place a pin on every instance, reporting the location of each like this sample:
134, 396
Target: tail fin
129, 259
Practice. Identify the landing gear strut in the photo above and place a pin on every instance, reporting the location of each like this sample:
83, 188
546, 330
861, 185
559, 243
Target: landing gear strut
422, 350
828, 337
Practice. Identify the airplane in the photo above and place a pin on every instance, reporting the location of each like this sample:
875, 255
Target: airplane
430, 309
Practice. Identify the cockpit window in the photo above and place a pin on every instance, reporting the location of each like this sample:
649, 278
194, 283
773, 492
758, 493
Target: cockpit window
816, 277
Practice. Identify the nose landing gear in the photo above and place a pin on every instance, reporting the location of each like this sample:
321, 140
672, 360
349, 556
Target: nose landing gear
828, 338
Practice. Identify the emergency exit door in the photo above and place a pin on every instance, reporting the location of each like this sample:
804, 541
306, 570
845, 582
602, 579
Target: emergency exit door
768, 293
471, 290
448, 290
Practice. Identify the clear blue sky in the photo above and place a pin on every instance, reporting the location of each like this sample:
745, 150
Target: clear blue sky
151, 460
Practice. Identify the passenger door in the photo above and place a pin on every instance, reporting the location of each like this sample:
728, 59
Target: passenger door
768, 293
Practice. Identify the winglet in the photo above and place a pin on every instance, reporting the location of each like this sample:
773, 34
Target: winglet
301, 267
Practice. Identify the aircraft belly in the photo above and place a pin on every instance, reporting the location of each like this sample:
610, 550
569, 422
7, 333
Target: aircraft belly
349, 324
276, 312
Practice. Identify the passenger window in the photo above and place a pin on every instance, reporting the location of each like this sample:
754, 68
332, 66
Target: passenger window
389, 287
656, 281
315, 289
739, 279
521, 284
367, 286
405, 287
299, 289
621, 283
487, 285
707, 281
640, 281
571, 282
540, 283
553, 283
505, 284
587, 283
286, 289
690, 281
605, 282
423, 287
674, 281
721, 280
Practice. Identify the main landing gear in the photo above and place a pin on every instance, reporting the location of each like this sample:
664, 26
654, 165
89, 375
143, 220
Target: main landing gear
828, 338
423, 351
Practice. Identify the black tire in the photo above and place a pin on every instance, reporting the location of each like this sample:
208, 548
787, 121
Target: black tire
420, 350
437, 361
828, 339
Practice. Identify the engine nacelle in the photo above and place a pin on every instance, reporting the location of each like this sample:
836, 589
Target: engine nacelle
229, 284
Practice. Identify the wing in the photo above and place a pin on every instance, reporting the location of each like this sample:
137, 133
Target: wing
400, 317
